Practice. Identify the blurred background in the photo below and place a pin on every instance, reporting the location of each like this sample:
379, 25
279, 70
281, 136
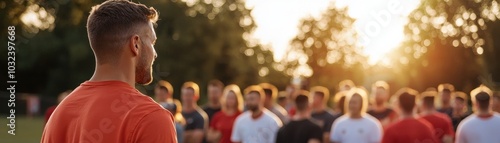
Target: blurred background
412, 43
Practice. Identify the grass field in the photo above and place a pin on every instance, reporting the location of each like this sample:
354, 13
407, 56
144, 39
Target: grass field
28, 130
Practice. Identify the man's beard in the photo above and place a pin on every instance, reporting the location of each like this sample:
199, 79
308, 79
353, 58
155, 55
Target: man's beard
143, 70
253, 108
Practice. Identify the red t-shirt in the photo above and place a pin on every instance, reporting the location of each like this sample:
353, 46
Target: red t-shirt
49, 112
409, 130
292, 111
224, 124
441, 123
109, 112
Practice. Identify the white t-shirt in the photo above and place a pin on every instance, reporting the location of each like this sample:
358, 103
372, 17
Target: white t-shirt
260, 130
364, 130
474, 129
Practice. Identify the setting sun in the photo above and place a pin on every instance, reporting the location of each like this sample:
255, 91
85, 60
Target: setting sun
379, 24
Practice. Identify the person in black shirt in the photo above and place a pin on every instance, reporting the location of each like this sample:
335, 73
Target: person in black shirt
380, 110
460, 109
446, 90
196, 118
213, 106
320, 112
300, 129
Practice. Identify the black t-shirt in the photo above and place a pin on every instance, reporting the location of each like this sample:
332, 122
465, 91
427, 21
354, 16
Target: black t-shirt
195, 120
456, 120
447, 111
210, 111
381, 115
300, 131
324, 119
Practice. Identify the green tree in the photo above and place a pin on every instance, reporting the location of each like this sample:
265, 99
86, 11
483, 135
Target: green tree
197, 41
451, 41
328, 47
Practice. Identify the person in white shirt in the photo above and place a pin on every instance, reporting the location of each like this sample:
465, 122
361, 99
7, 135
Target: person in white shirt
484, 125
257, 125
356, 126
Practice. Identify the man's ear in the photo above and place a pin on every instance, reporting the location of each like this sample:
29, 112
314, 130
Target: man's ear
134, 45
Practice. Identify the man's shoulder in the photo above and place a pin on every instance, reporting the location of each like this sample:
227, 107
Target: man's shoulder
268, 115
343, 118
243, 117
325, 114
369, 118
312, 124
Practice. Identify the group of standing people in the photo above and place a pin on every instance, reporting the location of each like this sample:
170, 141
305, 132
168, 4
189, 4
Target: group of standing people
261, 114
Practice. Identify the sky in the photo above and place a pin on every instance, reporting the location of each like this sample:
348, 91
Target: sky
379, 23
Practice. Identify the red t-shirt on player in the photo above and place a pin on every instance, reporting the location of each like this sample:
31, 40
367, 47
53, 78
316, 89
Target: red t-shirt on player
409, 130
109, 112
441, 124
224, 124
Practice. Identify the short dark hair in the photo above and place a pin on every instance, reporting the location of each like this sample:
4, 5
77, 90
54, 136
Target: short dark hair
482, 97
268, 92
255, 89
113, 22
269, 89
216, 83
407, 98
483, 100
302, 102
428, 98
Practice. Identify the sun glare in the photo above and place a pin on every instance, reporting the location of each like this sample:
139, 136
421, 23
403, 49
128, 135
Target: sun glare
379, 24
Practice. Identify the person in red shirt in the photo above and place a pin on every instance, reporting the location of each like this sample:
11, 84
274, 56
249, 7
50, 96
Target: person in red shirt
441, 122
51, 109
107, 108
408, 128
221, 125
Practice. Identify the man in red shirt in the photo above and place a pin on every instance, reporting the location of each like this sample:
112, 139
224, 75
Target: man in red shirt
441, 122
408, 128
107, 108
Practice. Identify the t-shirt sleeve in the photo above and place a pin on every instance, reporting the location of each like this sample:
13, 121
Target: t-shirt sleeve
335, 133
157, 126
388, 137
449, 125
460, 138
376, 135
214, 120
279, 136
200, 122
316, 133
236, 134
276, 126
327, 126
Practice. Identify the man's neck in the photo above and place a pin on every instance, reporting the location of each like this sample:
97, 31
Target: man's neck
428, 111
107, 72
484, 112
230, 111
301, 115
407, 115
189, 108
257, 114
379, 107
269, 106
356, 116
213, 105
318, 108
446, 106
